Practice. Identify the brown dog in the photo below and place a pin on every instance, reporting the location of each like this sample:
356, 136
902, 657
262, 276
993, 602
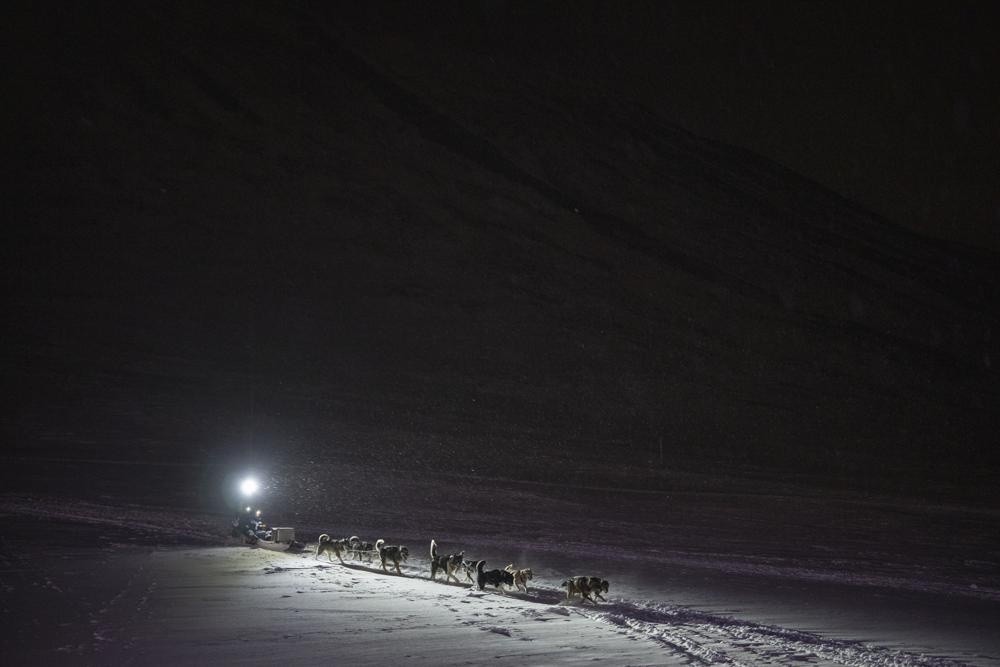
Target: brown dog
585, 587
521, 577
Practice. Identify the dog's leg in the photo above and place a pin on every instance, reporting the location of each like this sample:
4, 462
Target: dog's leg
397, 567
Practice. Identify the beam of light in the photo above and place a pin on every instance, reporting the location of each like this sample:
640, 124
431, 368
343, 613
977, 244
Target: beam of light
249, 486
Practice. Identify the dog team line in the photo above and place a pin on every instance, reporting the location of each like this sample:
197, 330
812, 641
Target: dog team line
474, 570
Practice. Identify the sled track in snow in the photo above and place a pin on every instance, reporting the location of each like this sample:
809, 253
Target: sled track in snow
714, 639
706, 638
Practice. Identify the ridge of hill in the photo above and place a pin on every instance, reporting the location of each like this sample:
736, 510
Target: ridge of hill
290, 235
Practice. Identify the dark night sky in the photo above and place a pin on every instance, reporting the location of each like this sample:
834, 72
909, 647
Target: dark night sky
893, 104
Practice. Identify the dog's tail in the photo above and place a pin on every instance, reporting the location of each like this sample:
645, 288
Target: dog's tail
480, 566
509, 568
378, 545
434, 549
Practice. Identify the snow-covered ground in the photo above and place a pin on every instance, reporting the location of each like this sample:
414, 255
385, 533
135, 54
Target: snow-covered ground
696, 577
212, 605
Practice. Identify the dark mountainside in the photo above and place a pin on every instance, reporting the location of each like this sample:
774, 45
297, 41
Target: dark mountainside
304, 236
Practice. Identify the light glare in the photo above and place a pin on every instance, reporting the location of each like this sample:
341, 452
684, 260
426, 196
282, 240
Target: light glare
249, 486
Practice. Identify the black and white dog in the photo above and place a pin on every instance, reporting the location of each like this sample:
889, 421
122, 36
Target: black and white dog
448, 564
395, 554
328, 545
495, 578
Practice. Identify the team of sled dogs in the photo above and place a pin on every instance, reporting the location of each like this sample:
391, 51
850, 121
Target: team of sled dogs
451, 565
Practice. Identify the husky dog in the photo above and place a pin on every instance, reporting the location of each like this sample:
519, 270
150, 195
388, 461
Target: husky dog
469, 567
577, 586
396, 554
360, 550
598, 586
448, 564
521, 577
329, 545
495, 578
353, 546
584, 587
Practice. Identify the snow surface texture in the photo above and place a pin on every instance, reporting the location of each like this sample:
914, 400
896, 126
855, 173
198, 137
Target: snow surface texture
206, 606
115, 582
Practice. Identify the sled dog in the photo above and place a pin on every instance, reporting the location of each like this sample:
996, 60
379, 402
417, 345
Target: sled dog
448, 564
495, 578
469, 567
521, 577
360, 550
395, 554
585, 587
329, 545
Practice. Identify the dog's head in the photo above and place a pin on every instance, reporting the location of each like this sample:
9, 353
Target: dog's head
404, 553
526, 573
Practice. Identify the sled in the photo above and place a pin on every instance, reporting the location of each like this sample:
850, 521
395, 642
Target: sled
281, 539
